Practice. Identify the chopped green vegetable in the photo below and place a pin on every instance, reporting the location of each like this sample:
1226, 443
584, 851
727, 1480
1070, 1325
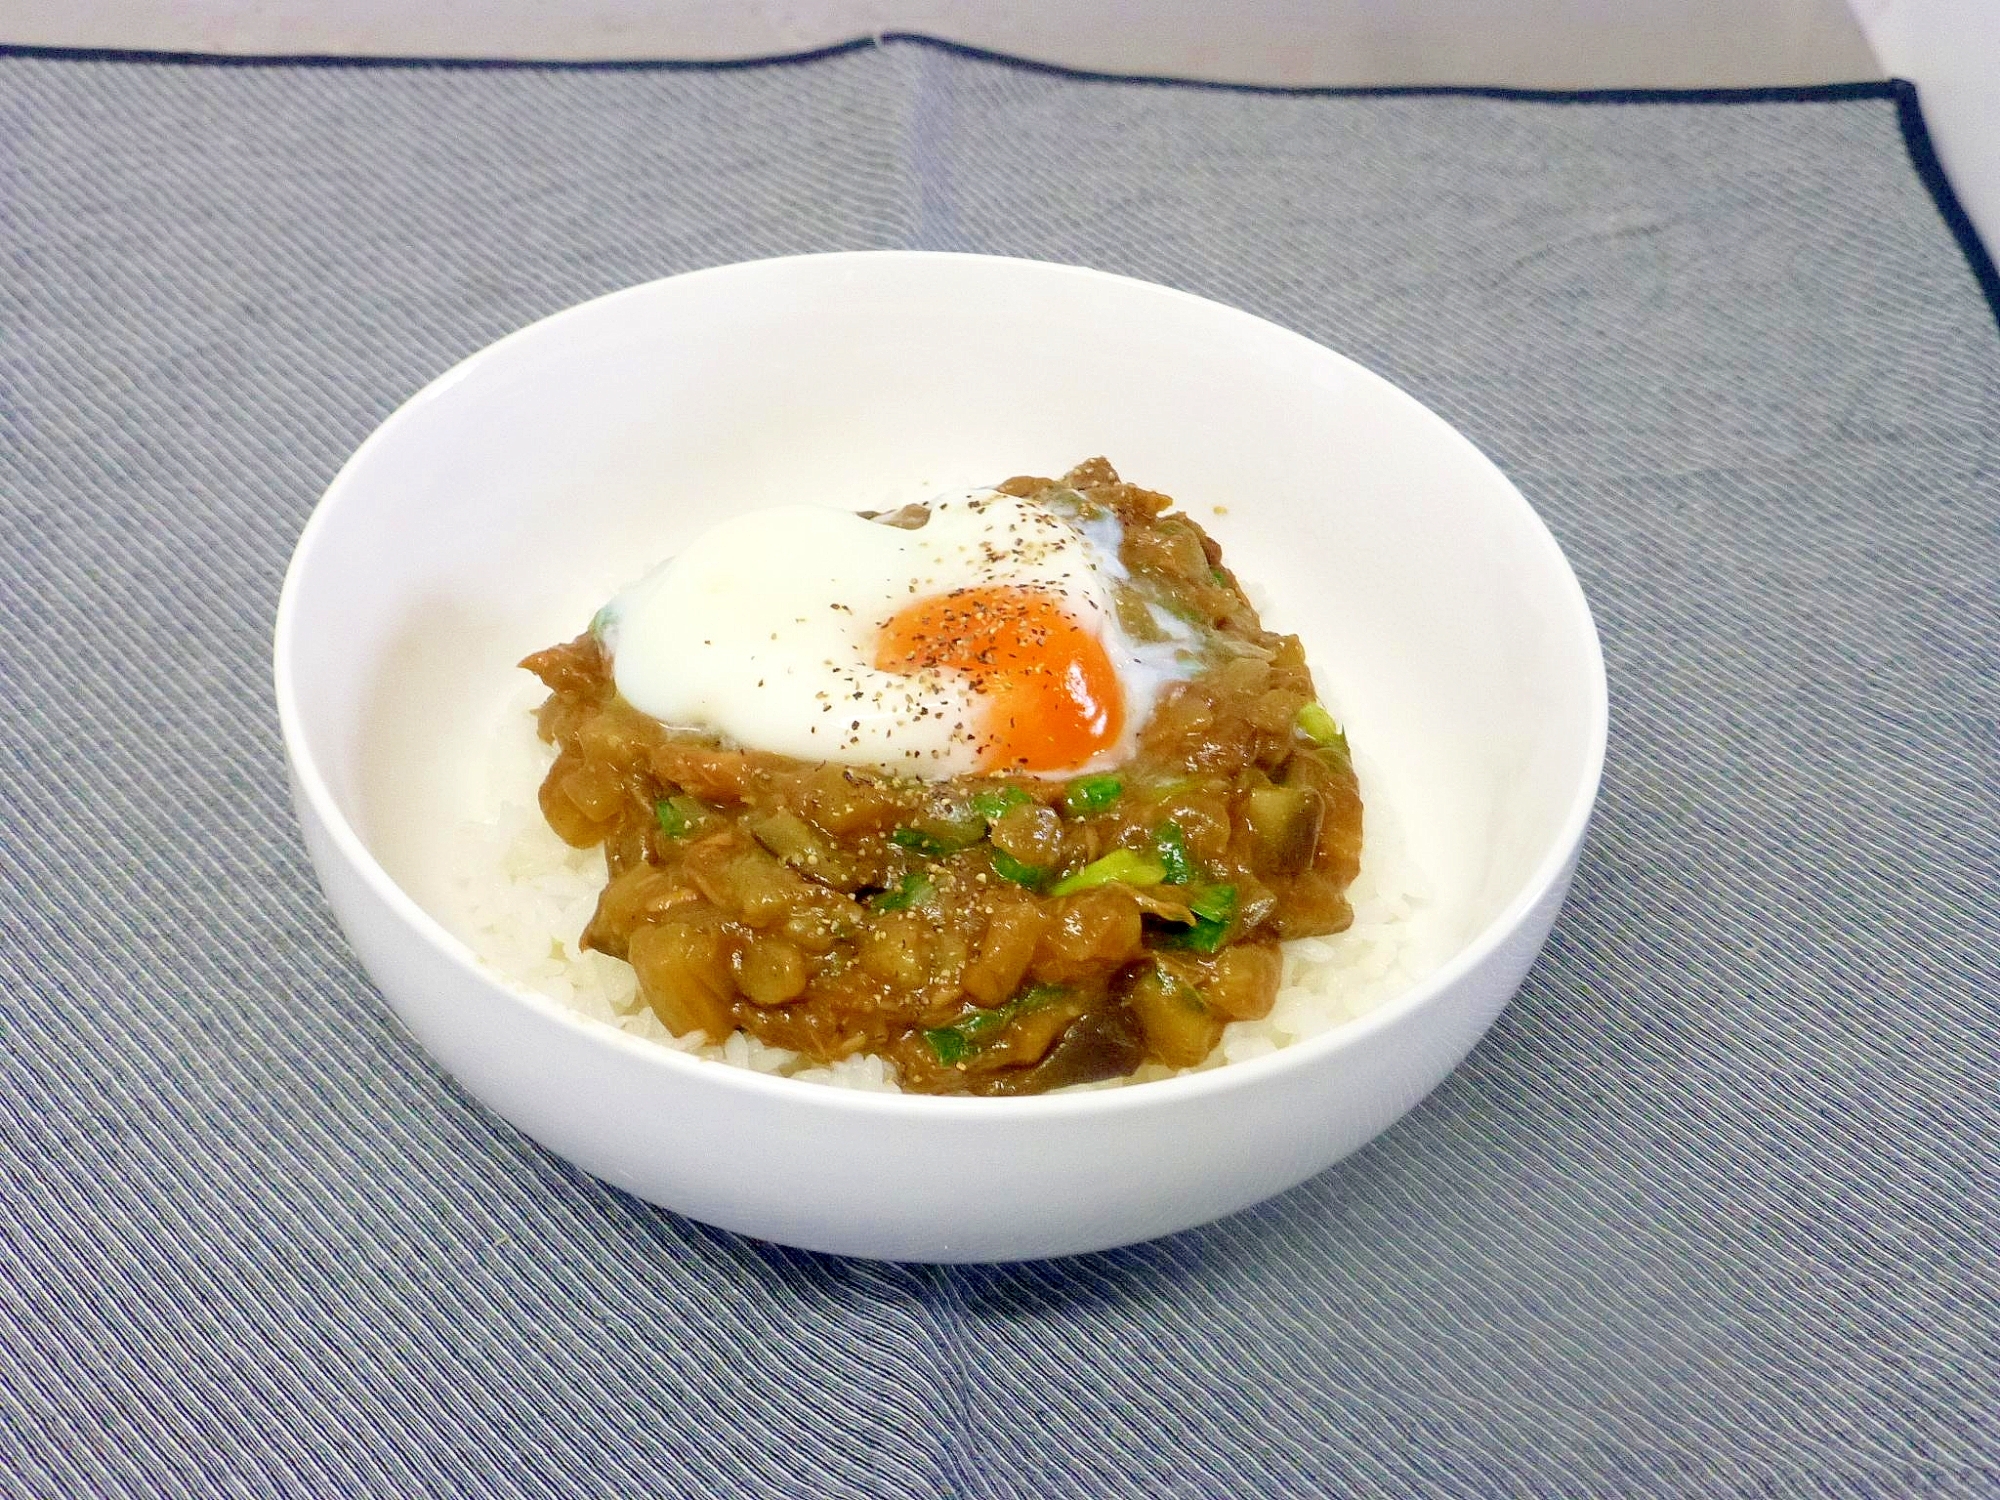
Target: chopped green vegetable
1216, 902
1319, 726
953, 1044
1119, 867
1009, 868
600, 622
948, 1044
1213, 907
1089, 794
679, 815
1171, 842
941, 831
994, 801
1204, 937
914, 888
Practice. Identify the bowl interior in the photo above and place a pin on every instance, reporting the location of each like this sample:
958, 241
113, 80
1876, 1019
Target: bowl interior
497, 509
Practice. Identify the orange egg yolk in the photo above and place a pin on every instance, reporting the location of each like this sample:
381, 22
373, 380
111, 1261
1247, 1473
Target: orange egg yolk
1052, 695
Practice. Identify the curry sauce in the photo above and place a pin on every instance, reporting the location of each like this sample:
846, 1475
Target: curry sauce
991, 934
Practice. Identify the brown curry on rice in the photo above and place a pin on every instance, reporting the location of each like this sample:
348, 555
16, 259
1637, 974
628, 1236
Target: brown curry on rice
989, 934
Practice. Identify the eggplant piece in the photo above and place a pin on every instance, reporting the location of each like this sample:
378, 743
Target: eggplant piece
805, 849
1101, 1043
1284, 822
914, 517
1180, 1028
639, 893
1315, 907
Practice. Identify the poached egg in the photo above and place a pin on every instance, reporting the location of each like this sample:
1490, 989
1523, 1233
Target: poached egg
985, 640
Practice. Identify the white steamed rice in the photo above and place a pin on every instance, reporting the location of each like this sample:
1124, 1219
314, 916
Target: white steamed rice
524, 897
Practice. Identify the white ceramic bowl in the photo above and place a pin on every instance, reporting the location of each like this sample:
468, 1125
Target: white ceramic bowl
498, 506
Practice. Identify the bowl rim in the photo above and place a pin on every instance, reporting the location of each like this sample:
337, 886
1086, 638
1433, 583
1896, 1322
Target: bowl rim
313, 789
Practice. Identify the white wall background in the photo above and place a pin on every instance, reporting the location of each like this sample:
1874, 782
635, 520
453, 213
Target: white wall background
1951, 50
1551, 43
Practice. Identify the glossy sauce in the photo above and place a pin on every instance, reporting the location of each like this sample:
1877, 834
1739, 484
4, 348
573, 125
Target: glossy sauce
989, 933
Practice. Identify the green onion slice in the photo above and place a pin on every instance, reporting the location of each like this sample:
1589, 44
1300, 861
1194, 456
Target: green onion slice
1009, 868
1089, 794
952, 1045
677, 816
1213, 907
1319, 726
1170, 841
1119, 867
1216, 902
949, 1045
991, 803
914, 889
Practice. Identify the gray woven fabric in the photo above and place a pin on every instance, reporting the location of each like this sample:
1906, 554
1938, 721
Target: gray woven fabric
1714, 1210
